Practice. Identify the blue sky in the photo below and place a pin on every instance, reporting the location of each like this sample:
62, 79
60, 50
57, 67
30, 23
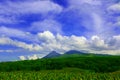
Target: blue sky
30, 29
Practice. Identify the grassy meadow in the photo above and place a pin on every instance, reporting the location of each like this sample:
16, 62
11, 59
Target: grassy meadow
65, 74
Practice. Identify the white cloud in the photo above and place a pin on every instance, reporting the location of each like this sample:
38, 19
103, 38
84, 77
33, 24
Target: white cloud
22, 57
15, 33
30, 7
11, 32
10, 11
46, 36
117, 22
64, 43
47, 24
92, 15
117, 37
115, 8
98, 23
97, 42
9, 51
49, 42
116, 40
30, 47
33, 57
95, 16
91, 2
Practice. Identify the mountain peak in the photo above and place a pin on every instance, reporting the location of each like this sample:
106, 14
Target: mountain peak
74, 52
52, 54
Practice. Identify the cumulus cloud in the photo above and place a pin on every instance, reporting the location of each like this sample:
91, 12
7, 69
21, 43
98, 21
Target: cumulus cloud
31, 57
51, 41
22, 57
59, 43
46, 36
98, 44
64, 43
115, 42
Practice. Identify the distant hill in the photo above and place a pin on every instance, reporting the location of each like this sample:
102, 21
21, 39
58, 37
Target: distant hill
66, 54
52, 54
92, 63
74, 52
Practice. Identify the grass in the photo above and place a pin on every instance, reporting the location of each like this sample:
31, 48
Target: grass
64, 74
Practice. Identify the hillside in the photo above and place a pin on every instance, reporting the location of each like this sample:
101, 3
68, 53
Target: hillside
93, 63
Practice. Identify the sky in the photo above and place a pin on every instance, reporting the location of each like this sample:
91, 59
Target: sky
30, 29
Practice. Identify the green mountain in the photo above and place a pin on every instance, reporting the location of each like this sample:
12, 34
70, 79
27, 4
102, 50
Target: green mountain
86, 62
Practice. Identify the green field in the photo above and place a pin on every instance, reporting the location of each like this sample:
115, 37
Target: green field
72, 67
65, 74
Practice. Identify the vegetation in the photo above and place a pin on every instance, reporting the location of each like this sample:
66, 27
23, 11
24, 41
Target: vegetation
93, 63
67, 67
64, 74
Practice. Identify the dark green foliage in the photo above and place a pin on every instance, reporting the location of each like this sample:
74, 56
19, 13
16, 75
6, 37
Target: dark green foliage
93, 63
